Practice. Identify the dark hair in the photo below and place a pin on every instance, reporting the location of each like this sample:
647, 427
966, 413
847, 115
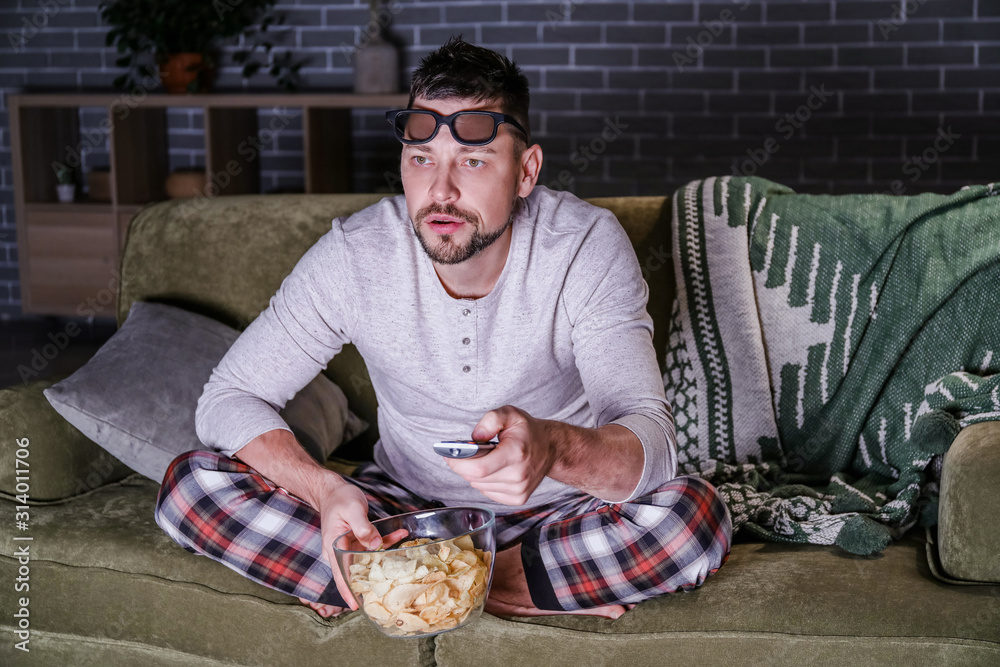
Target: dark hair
460, 69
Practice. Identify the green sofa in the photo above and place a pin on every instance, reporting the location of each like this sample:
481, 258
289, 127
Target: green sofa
108, 587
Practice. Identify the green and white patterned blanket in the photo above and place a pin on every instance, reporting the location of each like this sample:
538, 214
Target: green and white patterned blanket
825, 350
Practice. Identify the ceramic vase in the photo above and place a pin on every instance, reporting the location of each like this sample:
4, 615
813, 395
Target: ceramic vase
376, 66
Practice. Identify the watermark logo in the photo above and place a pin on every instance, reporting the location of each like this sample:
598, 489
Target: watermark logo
786, 128
32, 26
250, 149
22, 522
59, 341
712, 29
564, 12
656, 260
586, 155
380, 20
900, 13
916, 165
94, 138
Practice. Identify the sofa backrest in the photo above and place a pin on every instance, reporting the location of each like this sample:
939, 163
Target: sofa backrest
225, 257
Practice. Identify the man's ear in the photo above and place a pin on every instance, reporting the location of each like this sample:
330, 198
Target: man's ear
531, 166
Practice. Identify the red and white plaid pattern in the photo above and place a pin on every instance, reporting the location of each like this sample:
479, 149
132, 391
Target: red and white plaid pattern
579, 553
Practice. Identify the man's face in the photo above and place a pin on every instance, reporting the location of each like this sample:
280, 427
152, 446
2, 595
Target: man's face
460, 198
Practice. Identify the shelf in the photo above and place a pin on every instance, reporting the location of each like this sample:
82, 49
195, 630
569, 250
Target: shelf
104, 208
68, 250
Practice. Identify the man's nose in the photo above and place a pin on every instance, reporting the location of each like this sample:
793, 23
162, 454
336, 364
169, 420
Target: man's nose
443, 186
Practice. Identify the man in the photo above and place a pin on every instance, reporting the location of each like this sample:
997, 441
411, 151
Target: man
484, 308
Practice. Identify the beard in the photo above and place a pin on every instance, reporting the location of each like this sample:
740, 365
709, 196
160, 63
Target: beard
447, 251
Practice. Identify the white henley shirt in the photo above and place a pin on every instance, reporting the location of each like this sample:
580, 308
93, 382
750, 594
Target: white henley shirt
564, 334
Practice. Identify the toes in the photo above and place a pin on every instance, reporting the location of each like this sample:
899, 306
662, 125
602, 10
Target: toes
324, 610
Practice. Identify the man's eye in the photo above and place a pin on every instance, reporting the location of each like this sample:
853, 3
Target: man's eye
474, 162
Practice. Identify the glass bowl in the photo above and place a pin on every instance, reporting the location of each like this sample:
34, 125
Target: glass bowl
434, 579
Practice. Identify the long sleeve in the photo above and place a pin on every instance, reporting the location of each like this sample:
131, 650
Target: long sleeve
291, 341
605, 297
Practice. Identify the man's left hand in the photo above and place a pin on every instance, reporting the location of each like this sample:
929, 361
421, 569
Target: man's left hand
522, 458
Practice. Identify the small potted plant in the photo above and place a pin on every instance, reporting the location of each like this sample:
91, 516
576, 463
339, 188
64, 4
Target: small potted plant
182, 39
65, 186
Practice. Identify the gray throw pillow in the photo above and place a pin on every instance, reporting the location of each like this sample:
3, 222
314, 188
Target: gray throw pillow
137, 396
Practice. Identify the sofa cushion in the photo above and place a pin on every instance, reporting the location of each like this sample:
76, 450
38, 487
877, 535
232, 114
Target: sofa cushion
773, 603
104, 575
137, 396
63, 461
206, 272
968, 541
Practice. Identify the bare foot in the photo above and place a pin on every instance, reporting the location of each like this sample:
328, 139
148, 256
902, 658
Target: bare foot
495, 606
509, 593
324, 610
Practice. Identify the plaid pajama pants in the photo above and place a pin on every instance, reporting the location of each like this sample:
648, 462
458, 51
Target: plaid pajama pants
578, 553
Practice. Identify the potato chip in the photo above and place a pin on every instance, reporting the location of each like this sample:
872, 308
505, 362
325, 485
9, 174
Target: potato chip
411, 623
421, 588
434, 577
377, 611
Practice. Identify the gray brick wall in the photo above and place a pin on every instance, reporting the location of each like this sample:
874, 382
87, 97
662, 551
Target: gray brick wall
827, 96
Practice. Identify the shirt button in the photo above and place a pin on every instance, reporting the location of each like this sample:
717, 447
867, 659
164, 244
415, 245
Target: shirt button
466, 369
466, 341
466, 311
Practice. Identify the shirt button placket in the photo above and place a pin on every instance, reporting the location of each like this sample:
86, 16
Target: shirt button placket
468, 323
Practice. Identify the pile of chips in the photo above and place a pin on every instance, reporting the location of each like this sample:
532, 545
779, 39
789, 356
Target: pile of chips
420, 587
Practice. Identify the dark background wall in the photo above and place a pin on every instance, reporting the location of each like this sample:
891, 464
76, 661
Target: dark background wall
628, 98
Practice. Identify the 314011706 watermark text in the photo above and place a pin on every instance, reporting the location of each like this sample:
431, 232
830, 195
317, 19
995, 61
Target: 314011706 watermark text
22, 546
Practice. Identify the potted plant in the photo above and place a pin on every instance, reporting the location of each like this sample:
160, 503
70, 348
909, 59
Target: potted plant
65, 186
182, 39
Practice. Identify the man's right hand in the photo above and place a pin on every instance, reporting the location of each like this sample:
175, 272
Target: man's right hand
343, 507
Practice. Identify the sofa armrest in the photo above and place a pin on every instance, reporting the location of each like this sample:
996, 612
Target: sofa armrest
61, 461
968, 539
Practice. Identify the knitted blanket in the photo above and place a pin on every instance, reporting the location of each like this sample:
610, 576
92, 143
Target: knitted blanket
824, 351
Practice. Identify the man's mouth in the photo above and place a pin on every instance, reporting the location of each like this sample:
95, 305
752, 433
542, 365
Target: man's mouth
442, 223
441, 218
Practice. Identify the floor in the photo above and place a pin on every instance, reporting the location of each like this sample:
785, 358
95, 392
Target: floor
48, 347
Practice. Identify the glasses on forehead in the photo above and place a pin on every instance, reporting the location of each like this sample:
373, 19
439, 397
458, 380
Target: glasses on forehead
469, 128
